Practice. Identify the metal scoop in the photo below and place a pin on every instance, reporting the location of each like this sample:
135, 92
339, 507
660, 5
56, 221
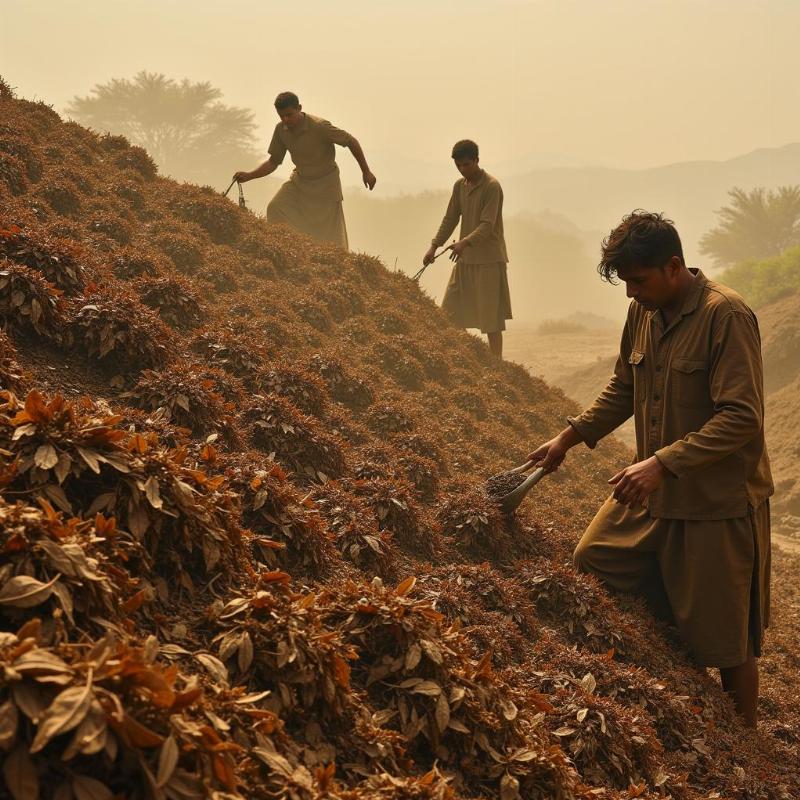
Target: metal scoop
510, 502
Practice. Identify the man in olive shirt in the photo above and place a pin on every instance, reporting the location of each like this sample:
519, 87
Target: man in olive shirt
688, 524
311, 200
477, 295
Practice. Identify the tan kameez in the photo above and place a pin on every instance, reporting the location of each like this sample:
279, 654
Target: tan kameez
477, 295
695, 389
311, 200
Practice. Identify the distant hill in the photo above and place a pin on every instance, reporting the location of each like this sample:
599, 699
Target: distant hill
594, 198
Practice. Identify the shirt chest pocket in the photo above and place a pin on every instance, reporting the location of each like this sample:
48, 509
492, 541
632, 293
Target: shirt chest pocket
690, 383
637, 362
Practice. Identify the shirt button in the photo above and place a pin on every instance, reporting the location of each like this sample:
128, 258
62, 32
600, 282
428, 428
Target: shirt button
656, 397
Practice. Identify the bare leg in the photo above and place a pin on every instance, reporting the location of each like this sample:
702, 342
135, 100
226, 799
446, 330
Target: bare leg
742, 684
496, 343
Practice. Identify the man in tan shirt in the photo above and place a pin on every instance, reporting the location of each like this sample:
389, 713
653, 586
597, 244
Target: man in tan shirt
311, 200
477, 295
688, 524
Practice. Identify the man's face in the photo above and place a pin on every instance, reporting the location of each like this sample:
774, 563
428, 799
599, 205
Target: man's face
653, 287
291, 117
468, 167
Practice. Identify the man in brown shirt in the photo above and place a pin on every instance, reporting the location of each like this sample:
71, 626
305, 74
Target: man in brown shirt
311, 200
477, 295
688, 523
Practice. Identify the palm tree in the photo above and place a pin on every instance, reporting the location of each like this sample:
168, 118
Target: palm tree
183, 125
755, 225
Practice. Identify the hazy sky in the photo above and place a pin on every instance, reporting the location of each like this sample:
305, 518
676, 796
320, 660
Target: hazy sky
620, 82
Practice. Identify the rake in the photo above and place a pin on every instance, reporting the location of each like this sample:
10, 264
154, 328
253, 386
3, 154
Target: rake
242, 203
440, 253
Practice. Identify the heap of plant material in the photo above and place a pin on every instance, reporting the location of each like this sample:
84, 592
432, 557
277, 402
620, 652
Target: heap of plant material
246, 545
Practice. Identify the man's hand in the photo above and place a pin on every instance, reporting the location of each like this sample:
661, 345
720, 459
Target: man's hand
634, 484
457, 248
551, 454
242, 176
369, 179
429, 256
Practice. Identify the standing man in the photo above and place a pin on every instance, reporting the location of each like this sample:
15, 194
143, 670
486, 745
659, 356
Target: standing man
311, 200
688, 524
477, 295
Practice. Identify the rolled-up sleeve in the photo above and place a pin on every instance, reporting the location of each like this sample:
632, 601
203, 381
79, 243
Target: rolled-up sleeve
614, 405
736, 386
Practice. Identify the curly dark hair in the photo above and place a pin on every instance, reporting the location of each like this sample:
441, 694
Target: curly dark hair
287, 100
642, 239
466, 148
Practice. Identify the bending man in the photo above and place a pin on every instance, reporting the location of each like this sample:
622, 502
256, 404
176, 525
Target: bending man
688, 524
477, 295
311, 200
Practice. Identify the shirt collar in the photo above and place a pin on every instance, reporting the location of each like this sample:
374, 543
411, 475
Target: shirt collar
472, 186
689, 304
300, 128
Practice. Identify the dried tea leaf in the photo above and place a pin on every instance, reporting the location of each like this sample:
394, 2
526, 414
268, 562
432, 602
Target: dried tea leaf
413, 656
90, 457
64, 713
406, 586
45, 456
29, 699
41, 662
86, 788
153, 492
167, 761
429, 688
442, 713
245, 657
9, 719
23, 591
215, 667
20, 775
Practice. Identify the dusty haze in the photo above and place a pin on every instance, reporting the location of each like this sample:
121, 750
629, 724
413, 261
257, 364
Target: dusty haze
548, 89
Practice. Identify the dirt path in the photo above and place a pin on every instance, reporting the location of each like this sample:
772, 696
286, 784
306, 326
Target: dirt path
789, 543
553, 356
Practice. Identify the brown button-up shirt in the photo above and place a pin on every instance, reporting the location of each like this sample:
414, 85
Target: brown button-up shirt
480, 207
695, 390
311, 147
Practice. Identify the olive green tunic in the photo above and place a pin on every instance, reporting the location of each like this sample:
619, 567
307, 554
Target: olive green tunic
311, 200
477, 295
695, 390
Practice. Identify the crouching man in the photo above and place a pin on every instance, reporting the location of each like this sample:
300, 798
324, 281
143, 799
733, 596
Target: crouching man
688, 524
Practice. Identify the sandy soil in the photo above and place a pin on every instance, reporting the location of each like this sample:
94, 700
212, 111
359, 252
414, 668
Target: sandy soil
555, 355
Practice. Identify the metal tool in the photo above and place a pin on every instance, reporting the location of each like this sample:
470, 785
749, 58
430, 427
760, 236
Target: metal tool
440, 253
242, 203
510, 502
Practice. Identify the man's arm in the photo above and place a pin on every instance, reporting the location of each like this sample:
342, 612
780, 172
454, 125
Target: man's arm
614, 405
608, 412
268, 167
358, 154
449, 222
344, 139
736, 385
277, 152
